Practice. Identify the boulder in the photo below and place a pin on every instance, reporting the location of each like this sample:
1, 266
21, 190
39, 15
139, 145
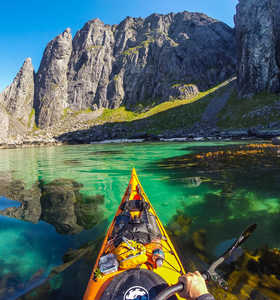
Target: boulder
276, 140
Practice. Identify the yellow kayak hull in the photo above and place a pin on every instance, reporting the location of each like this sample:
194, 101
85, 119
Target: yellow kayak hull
171, 268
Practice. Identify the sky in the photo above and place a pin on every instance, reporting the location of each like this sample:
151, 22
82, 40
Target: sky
26, 26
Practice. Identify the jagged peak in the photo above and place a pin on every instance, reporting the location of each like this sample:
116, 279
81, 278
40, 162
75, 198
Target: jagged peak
129, 20
66, 34
27, 64
95, 21
28, 60
25, 68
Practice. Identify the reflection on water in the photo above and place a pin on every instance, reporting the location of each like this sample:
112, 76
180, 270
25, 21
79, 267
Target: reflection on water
5, 203
205, 193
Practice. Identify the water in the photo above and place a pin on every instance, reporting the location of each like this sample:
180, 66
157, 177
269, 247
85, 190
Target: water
204, 206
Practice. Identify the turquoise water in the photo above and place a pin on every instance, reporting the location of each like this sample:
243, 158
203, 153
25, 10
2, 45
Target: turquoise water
30, 251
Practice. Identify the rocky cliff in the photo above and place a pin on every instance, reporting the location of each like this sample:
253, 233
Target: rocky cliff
258, 46
157, 58
51, 80
18, 98
16, 104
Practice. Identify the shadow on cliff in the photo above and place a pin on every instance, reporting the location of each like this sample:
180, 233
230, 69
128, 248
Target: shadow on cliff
175, 121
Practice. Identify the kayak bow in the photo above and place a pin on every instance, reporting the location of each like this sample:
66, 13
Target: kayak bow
137, 259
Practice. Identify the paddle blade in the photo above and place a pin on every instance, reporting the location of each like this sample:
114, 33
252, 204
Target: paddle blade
243, 237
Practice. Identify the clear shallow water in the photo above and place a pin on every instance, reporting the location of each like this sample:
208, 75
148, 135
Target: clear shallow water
213, 202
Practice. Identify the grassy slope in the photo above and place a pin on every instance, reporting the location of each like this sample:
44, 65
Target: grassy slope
179, 114
236, 114
174, 114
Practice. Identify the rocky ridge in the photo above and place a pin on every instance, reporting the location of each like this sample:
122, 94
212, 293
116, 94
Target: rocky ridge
51, 80
141, 63
161, 57
16, 105
18, 98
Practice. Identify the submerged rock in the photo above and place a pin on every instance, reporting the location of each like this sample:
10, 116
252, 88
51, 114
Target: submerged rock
67, 209
58, 205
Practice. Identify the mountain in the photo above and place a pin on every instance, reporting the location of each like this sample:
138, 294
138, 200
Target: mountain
139, 60
16, 104
147, 75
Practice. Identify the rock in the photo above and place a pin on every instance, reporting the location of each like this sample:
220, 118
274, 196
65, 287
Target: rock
51, 81
90, 66
276, 140
18, 98
58, 205
267, 134
152, 137
239, 133
4, 125
30, 209
181, 91
258, 46
67, 209
161, 57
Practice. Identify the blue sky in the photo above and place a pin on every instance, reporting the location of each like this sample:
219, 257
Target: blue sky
27, 26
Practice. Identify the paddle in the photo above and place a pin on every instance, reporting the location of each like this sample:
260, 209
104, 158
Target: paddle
211, 273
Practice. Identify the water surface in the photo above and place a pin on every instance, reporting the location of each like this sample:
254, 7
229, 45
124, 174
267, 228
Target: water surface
204, 208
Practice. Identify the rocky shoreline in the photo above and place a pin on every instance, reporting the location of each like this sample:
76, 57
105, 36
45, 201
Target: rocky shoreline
87, 137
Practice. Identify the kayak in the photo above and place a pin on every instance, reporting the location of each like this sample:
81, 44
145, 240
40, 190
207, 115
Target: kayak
137, 259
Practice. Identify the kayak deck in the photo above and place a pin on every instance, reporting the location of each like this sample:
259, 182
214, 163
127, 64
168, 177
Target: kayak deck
170, 268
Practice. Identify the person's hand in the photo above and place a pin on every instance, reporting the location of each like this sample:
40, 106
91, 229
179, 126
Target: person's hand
194, 286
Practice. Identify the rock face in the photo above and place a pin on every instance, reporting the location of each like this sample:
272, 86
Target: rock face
258, 43
18, 98
51, 80
67, 209
142, 59
11, 128
158, 58
4, 125
90, 66
181, 91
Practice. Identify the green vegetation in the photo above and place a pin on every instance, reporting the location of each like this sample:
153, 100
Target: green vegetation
94, 47
167, 115
68, 111
165, 106
134, 50
30, 117
244, 113
84, 111
131, 51
117, 115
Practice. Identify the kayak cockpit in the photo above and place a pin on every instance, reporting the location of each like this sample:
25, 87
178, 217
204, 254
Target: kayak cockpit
137, 254
137, 284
